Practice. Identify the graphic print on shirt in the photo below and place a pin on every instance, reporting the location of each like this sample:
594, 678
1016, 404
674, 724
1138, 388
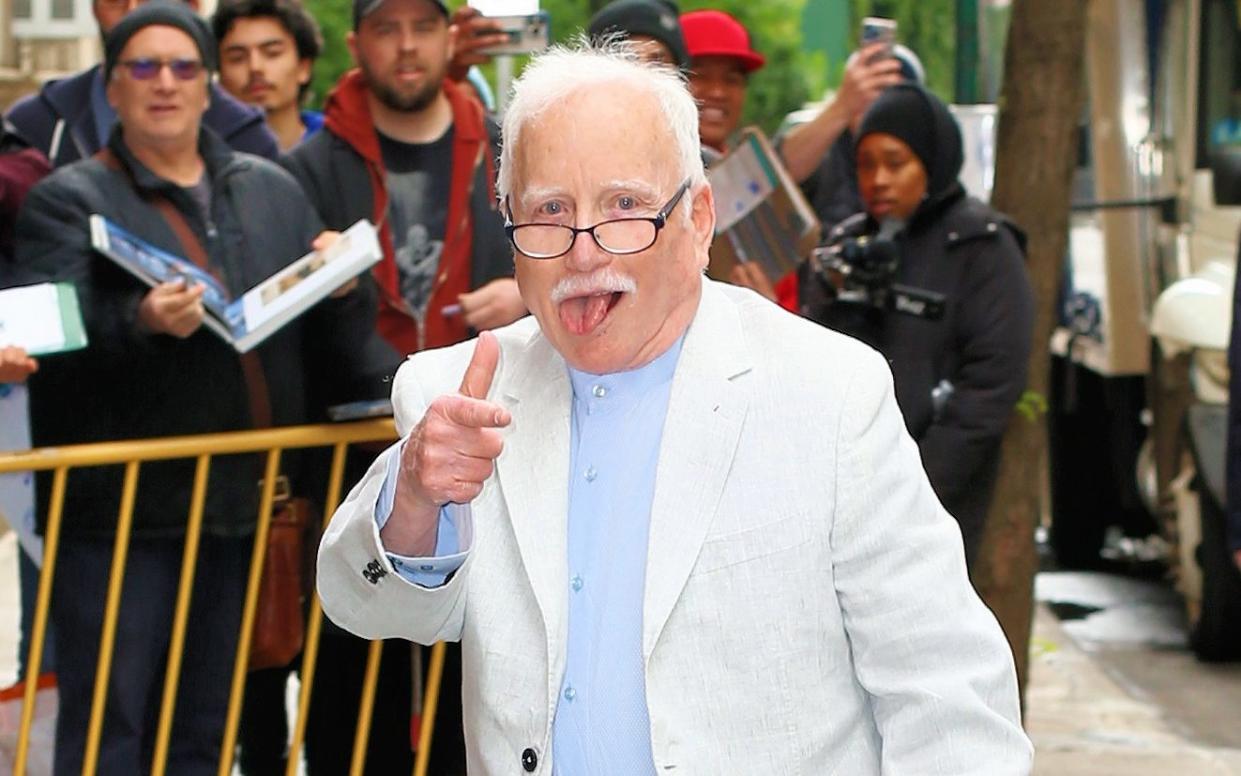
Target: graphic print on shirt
417, 176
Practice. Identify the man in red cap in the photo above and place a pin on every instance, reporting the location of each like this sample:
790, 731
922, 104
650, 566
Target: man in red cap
721, 61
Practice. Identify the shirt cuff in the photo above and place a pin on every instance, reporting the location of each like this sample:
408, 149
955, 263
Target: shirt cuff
425, 572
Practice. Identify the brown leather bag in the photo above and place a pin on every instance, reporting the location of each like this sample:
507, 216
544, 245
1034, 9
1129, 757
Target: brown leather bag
279, 617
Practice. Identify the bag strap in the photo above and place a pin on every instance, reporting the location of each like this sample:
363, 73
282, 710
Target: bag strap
251, 364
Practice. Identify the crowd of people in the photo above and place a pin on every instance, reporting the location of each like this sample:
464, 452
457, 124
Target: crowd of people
668, 522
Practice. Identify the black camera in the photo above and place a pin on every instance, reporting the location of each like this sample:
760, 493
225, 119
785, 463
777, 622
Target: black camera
862, 270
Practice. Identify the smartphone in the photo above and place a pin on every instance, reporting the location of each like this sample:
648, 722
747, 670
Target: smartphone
526, 33
876, 29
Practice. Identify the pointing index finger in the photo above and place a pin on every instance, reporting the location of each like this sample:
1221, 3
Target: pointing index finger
482, 368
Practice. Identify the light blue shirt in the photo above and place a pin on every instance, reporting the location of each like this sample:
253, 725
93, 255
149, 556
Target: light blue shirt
602, 725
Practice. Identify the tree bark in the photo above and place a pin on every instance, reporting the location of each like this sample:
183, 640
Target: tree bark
1040, 101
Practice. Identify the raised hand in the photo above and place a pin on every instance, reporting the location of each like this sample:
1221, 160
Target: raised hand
448, 455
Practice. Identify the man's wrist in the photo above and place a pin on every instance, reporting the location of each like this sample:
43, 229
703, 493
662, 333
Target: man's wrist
412, 528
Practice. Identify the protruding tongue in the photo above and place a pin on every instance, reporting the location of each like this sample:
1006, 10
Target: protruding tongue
582, 314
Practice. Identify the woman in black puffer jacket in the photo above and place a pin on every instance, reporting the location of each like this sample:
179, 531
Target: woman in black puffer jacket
958, 375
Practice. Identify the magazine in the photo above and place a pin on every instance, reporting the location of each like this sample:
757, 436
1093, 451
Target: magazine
260, 312
760, 213
42, 319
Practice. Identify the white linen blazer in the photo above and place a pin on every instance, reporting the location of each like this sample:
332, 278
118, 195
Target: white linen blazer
806, 608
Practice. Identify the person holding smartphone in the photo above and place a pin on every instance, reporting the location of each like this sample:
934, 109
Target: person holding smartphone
819, 154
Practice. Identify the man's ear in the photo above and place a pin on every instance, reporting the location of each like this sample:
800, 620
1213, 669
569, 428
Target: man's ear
351, 40
702, 215
305, 70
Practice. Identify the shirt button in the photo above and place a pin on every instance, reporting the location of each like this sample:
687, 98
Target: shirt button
570, 694
591, 474
529, 760
426, 567
599, 391
576, 583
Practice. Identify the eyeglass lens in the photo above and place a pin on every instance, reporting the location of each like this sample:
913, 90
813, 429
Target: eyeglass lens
621, 236
145, 68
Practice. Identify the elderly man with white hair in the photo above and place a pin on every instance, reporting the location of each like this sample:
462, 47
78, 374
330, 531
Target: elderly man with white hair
674, 528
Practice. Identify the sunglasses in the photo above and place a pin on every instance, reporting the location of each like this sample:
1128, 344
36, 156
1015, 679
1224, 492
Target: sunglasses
146, 68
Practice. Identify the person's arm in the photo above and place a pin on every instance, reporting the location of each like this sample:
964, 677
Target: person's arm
996, 322
927, 651
121, 318
865, 78
442, 465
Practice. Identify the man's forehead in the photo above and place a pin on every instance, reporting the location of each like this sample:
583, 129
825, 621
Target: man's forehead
390, 9
258, 30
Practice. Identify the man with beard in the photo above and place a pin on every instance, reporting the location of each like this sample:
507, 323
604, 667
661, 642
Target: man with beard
408, 148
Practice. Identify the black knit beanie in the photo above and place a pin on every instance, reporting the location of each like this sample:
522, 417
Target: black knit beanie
656, 18
170, 13
920, 119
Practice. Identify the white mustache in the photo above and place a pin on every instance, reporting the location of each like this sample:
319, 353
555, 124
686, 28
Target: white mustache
602, 281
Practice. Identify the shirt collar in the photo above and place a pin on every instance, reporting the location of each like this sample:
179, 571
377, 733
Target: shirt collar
630, 385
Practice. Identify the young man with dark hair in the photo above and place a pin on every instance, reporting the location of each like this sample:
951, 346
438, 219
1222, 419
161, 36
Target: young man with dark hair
70, 119
268, 50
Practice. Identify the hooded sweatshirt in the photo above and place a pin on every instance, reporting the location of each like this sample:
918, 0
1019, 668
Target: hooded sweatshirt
342, 171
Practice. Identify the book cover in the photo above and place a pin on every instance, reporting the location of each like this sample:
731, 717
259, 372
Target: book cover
760, 213
247, 321
42, 319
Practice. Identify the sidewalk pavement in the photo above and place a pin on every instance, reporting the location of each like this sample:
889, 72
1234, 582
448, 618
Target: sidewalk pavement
1085, 724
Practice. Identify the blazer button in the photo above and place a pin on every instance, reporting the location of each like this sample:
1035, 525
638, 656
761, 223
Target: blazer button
529, 760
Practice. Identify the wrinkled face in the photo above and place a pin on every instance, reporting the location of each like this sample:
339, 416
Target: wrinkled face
259, 63
595, 156
718, 85
163, 110
890, 176
651, 50
109, 12
403, 49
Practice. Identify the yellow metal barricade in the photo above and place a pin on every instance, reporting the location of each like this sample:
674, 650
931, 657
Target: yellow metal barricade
201, 449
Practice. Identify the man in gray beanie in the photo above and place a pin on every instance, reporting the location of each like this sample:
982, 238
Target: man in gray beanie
152, 370
69, 118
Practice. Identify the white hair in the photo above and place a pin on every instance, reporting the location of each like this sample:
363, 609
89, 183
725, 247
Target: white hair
561, 71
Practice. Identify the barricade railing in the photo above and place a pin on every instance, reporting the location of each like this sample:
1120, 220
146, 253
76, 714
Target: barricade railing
201, 449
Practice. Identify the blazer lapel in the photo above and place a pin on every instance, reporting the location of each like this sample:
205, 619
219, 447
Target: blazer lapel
705, 414
533, 472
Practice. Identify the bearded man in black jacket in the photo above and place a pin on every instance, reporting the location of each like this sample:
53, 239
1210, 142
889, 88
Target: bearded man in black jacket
152, 370
958, 374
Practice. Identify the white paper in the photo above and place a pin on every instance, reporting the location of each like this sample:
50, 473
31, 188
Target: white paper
30, 318
506, 7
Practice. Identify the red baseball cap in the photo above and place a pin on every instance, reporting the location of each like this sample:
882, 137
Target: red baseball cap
716, 34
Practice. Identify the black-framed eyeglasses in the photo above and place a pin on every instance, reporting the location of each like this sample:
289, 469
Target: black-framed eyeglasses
619, 236
146, 68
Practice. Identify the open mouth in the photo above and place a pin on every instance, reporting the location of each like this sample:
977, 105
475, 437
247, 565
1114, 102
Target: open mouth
582, 315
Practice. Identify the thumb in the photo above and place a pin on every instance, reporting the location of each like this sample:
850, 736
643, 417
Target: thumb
482, 368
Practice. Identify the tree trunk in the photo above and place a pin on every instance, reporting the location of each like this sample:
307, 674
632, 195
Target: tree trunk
1040, 101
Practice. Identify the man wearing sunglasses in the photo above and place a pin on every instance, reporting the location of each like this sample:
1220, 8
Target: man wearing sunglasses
71, 119
152, 370
675, 528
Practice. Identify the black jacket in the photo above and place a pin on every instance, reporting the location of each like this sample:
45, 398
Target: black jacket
974, 256
128, 384
59, 121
